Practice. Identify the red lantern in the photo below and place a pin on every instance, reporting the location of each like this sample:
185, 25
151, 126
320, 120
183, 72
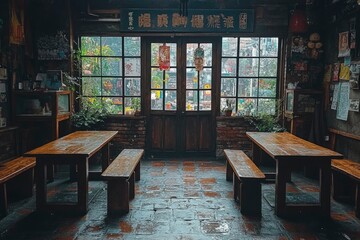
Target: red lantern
298, 22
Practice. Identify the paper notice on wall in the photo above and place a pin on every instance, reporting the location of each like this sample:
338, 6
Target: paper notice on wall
335, 97
343, 106
2, 88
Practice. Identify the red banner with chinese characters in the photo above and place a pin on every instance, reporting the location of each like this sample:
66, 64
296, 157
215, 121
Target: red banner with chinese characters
164, 57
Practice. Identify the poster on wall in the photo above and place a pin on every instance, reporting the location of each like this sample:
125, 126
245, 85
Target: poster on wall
344, 49
335, 97
354, 105
343, 105
335, 77
344, 72
353, 33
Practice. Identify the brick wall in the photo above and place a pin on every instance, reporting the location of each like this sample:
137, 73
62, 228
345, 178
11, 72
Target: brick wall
230, 133
132, 133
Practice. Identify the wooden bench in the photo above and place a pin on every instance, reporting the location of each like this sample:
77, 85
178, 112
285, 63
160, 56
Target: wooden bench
247, 178
121, 174
344, 170
23, 167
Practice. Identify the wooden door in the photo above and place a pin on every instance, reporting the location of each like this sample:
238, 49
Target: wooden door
181, 100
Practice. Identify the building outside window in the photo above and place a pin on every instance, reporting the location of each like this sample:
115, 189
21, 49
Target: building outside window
111, 72
249, 74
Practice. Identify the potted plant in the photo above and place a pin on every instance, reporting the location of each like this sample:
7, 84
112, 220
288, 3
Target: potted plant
91, 115
136, 104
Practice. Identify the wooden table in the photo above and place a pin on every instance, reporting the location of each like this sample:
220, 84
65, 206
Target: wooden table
289, 152
75, 150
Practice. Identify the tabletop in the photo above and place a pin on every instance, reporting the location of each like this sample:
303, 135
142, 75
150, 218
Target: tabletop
77, 143
286, 145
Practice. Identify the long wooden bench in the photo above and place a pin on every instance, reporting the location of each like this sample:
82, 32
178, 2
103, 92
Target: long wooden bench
121, 174
344, 170
23, 169
247, 178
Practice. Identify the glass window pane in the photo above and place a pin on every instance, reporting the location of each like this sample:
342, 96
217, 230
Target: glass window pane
157, 78
267, 106
114, 105
155, 53
132, 87
249, 47
170, 100
156, 100
191, 100
191, 78
207, 54
91, 86
132, 46
90, 46
268, 67
248, 67
229, 46
205, 78
111, 46
170, 79
132, 104
172, 54
90, 66
248, 87
190, 49
228, 87
205, 100
269, 47
228, 67
227, 103
111, 66
132, 67
112, 87
267, 87
247, 106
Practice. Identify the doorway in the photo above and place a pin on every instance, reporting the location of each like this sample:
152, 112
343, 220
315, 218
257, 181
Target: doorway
181, 99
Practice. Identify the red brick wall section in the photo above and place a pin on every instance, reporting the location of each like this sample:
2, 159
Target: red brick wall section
132, 133
230, 134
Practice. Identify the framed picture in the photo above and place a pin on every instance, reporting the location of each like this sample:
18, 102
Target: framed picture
354, 105
53, 79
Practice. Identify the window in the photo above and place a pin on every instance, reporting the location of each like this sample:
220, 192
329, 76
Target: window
111, 72
249, 73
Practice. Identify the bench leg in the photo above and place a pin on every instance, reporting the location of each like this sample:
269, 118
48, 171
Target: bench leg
27, 183
229, 171
137, 172
3, 200
132, 186
357, 201
118, 196
250, 198
236, 188
339, 180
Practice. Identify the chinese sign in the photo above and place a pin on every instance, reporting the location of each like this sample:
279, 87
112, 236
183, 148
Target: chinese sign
138, 20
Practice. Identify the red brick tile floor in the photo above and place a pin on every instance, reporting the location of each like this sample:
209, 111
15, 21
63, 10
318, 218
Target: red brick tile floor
179, 199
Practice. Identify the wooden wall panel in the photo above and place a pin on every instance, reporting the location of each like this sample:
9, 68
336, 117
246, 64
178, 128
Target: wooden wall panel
156, 133
170, 127
191, 134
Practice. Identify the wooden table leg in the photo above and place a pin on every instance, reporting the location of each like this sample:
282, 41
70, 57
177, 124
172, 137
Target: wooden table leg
137, 172
325, 187
229, 171
256, 154
40, 183
105, 157
83, 184
280, 188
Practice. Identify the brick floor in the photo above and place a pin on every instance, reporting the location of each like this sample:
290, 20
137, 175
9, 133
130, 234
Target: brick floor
179, 199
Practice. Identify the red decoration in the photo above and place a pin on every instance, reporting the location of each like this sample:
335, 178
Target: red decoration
164, 57
298, 22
